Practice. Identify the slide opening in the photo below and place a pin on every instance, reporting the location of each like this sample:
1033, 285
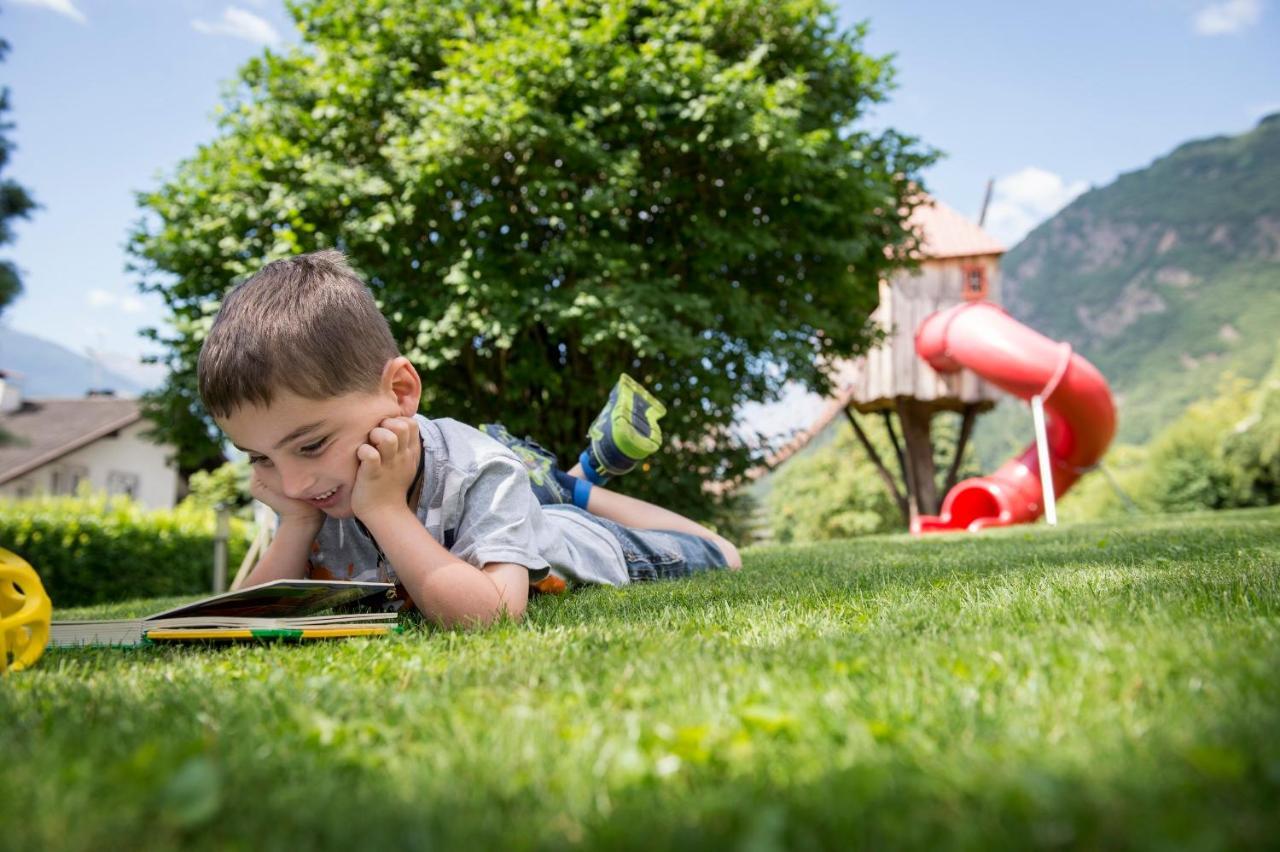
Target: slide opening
970, 504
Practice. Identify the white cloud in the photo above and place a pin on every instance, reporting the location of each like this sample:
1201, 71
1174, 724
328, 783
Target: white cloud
238, 23
1026, 198
100, 298
62, 7
105, 299
1227, 16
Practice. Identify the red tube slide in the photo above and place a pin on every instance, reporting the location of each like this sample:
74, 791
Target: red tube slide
1080, 417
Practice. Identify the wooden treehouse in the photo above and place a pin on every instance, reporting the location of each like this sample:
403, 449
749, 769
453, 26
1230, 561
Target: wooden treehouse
959, 262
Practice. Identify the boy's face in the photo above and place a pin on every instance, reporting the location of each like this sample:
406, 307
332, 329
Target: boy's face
305, 449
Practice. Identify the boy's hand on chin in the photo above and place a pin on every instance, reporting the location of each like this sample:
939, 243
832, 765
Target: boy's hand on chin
388, 462
286, 507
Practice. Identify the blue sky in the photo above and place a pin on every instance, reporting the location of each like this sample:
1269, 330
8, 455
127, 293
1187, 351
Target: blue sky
1049, 99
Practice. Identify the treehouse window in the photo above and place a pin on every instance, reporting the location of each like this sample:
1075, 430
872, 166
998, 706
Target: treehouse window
975, 283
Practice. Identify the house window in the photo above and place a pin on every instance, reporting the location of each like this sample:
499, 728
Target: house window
67, 479
974, 286
122, 483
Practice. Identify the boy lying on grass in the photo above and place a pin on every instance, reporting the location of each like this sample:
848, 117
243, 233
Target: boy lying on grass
301, 372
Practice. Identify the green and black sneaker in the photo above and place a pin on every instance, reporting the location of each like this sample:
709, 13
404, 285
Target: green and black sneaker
625, 433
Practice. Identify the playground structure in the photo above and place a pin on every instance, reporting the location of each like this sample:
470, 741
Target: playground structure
1073, 432
947, 346
958, 265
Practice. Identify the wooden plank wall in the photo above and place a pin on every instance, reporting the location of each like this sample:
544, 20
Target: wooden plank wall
894, 370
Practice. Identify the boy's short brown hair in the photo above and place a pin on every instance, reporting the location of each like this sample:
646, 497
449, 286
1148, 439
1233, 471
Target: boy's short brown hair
305, 324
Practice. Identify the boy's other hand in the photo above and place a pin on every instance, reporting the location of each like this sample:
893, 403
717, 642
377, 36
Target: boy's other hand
286, 507
388, 462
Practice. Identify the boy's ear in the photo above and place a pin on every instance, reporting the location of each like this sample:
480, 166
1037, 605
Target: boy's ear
401, 380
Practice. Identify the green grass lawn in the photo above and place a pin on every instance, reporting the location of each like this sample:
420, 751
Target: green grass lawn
1102, 685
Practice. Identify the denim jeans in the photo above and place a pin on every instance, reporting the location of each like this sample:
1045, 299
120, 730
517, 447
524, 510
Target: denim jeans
660, 554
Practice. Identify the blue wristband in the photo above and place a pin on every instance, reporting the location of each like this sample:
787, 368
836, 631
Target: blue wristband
581, 493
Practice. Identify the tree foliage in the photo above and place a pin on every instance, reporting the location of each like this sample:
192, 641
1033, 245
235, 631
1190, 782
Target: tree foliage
543, 195
225, 487
15, 202
829, 492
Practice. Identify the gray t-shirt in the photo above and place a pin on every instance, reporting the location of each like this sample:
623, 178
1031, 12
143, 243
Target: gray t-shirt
477, 503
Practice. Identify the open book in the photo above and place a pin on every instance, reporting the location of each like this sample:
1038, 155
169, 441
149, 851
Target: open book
281, 609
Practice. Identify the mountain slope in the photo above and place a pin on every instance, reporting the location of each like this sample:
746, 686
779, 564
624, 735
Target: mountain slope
1166, 279
47, 369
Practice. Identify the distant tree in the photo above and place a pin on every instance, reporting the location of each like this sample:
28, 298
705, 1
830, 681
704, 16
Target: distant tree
1251, 450
831, 491
223, 487
544, 195
15, 201
1221, 453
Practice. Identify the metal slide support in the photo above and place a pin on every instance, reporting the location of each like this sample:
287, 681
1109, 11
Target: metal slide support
1046, 470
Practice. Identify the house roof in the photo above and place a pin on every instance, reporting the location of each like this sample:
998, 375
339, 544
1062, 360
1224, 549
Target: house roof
42, 431
946, 233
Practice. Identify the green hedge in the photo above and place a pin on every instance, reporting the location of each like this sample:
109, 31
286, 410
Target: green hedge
90, 550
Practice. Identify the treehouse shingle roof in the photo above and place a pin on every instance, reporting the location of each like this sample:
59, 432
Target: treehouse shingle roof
948, 234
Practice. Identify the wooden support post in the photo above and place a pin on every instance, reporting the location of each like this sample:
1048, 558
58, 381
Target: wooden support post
221, 533
966, 429
914, 417
885, 475
897, 447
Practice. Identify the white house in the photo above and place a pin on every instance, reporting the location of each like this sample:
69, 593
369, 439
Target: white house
51, 446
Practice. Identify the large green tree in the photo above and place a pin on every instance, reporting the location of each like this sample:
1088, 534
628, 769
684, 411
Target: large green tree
15, 201
545, 194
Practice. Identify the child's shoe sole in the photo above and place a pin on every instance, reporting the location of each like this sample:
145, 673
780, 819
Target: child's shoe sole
626, 432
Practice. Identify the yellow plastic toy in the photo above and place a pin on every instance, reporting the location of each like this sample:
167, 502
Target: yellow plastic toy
25, 612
